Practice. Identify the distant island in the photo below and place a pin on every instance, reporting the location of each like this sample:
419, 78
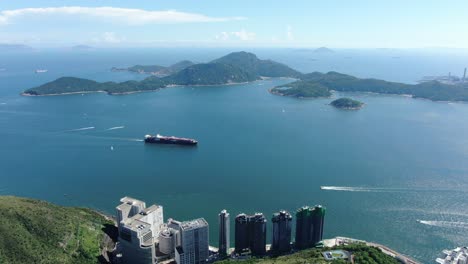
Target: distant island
347, 103
14, 47
323, 50
157, 70
241, 67
237, 67
433, 90
302, 89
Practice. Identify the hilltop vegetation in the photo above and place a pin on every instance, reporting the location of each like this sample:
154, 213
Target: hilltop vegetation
302, 89
362, 254
33, 231
239, 67
157, 69
346, 103
435, 91
236, 67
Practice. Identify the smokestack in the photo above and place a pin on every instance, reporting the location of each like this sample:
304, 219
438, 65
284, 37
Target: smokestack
464, 76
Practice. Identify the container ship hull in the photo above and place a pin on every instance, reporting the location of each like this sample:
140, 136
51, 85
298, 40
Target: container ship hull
158, 139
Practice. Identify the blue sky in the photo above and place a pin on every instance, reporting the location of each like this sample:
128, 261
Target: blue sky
252, 23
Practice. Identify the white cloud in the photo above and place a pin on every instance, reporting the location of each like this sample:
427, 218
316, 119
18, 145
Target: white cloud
114, 14
244, 35
111, 37
238, 35
223, 36
289, 33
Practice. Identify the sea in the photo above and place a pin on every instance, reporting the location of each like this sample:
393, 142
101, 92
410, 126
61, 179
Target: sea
394, 172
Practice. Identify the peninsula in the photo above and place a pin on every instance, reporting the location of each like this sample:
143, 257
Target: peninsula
347, 103
241, 67
157, 70
434, 90
237, 67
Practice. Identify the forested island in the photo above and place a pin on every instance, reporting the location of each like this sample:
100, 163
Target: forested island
157, 70
240, 67
334, 81
237, 67
34, 231
347, 103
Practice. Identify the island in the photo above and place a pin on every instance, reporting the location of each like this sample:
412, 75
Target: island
323, 50
347, 103
335, 81
34, 231
157, 70
241, 67
302, 90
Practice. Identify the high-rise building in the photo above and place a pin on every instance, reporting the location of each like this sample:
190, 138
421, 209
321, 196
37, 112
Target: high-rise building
464, 76
257, 228
281, 239
318, 221
241, 232
251, 233
309, 226
223, 219
138, 230
191, 241
303, 228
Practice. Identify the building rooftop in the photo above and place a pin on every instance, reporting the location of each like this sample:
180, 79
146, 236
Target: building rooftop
193, 224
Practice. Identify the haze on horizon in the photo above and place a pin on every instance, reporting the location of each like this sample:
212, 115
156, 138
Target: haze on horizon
178, 23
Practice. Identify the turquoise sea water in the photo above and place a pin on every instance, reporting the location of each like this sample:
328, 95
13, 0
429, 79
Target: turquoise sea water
396, 171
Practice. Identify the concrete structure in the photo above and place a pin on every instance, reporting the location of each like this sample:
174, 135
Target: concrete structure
242, 233
191, 241
251, 233
455, 256
309, 226
224, 230
257, 228
464, 76
281, 238
166, 240
138, 230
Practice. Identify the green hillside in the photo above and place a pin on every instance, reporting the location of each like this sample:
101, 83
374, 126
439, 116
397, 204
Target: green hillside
33, 231
435, 91
362, 254
346, 103
250, 63
210, 74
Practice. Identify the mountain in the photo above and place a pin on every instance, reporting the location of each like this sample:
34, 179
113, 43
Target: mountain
236, 67
157, 70
211, 74
82, 47
435, 91
250, 63
34, 231
14, 47
323, 50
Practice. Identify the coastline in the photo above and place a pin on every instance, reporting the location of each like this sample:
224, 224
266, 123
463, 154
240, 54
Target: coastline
298, 97
138, 91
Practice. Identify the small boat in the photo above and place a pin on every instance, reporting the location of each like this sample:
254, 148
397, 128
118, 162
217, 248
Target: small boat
158, 139
41, 71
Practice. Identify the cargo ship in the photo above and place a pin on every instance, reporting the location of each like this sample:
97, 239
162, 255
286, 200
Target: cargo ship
158, 139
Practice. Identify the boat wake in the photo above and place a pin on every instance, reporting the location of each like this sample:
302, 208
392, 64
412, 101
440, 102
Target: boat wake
80, 129
117, 127
447, 224
356, 189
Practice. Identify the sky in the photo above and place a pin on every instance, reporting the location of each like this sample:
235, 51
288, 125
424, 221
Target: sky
250, 23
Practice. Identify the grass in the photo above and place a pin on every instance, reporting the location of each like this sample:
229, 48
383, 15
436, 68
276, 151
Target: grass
34, 231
